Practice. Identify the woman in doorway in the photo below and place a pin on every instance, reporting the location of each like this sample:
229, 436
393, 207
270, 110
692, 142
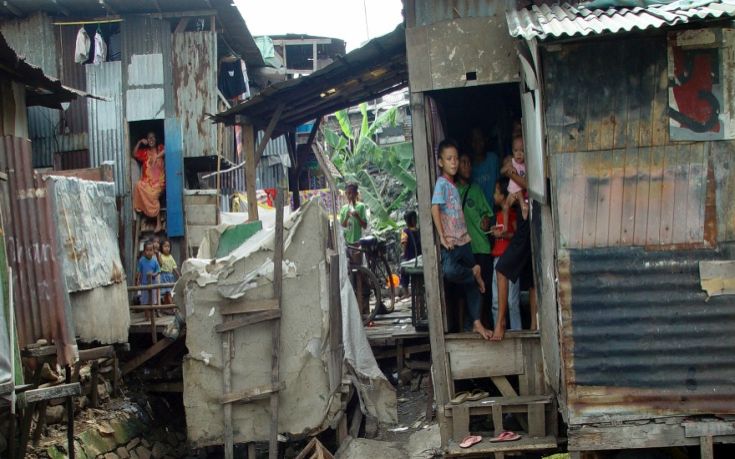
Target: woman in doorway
147, 191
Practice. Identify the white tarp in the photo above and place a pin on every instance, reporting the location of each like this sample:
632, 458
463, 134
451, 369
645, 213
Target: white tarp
306, 403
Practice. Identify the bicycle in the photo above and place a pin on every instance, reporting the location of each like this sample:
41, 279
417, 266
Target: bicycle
373, 283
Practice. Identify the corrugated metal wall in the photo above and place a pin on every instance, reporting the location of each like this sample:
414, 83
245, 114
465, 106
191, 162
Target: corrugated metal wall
194, 67
106, 133
42, 306
143, 67
644, 339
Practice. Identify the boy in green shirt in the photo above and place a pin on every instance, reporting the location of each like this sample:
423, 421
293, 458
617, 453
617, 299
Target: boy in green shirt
478, 215
353, 216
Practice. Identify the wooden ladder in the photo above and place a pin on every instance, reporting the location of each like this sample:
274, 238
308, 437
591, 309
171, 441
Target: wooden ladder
235, 321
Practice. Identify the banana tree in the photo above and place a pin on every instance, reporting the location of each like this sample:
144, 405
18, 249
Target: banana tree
384, 174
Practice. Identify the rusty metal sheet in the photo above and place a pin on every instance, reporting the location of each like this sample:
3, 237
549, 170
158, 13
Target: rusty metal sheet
195, 90
639, 337
86, 221
41, 301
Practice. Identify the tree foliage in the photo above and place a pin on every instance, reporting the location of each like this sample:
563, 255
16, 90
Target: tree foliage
385, 174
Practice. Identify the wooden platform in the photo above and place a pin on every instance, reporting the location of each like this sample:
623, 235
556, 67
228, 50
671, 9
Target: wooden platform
139, 323
485, 448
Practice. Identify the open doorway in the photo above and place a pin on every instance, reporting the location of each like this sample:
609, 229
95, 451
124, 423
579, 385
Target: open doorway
152, 198
493, 111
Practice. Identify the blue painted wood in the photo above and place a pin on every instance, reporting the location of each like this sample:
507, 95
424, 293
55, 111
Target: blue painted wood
174, 178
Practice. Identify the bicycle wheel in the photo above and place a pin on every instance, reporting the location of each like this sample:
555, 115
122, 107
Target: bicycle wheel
382, 272
372, 295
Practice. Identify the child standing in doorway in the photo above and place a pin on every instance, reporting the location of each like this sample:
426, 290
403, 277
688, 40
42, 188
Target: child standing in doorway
458, 262
410, 245
169, 271
503, 232
148, 271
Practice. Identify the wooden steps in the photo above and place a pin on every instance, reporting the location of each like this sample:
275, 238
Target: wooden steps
486, 448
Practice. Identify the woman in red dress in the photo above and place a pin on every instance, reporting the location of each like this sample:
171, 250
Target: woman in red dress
147, 191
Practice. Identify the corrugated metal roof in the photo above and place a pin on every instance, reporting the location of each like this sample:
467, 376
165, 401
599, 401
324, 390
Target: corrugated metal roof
557, 20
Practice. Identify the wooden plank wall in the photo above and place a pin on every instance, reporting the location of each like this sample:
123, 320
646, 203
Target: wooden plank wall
618, 178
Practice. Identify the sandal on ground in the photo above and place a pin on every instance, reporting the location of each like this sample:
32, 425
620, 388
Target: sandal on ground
476, 395
460, 397
505, 436
470, 440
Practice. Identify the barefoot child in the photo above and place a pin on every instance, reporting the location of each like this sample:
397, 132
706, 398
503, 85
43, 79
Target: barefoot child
148, 270
169, 271
503, 232
477, 215
458, 263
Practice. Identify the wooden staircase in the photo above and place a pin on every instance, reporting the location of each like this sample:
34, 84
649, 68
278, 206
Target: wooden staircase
532, 405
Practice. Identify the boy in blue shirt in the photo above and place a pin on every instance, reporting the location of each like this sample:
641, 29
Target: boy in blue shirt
148, 271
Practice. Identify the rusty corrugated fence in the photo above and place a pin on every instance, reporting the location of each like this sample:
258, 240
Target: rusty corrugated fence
40, 298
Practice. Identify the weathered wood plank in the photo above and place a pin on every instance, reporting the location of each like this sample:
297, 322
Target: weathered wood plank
250, 319
53, 392
630, 185
554, 105
616, 195
252, 394
641, 197
621, 91
579, 193
653, 435
276, 331
668, 195
249, 306
482, 359
660, 105
503, 385
681, 193
589, 220
697, 192
653, 232
423, 164
147, 355
648, 91
497, 419
537, 420
708, 428
706, 449
562, 177
605, 163
460, 422
418, 58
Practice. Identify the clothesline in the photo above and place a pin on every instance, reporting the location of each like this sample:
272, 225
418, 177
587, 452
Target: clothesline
92, 21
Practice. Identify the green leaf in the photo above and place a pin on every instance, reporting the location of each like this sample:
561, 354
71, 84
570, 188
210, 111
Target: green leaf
343, 118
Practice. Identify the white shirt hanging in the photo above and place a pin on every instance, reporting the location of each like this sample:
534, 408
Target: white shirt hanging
81, 51
100, 49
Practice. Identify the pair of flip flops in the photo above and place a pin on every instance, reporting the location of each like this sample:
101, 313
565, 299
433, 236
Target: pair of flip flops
469, 441
469, 396
505, 436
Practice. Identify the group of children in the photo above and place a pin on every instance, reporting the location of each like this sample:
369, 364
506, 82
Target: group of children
490, 263
156, 266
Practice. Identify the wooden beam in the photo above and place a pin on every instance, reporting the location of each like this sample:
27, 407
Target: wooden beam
423, 161
182, 25
250, 319
184, 14
147, 355
97, 353
305, 41
253, 306
248, 147
706, 448
269, 132
252, 394
49, 393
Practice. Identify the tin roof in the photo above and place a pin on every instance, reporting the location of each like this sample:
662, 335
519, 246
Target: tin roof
563, 19
366, 73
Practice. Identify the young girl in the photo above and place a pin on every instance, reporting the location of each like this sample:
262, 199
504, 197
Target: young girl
169, 271
458, 263
515, 169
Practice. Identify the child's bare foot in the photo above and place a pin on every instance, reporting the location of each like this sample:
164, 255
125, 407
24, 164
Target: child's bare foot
499, 333
477, 327
478, 278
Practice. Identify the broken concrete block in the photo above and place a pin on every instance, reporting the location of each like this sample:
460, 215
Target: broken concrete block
111, 456
133, 444
122, 453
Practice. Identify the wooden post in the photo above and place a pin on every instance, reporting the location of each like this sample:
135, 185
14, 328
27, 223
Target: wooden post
218, 181
432, 279
248, 148
227, 346
706, 448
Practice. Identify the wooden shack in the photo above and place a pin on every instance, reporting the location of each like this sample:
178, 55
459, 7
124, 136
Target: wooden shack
627, 119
